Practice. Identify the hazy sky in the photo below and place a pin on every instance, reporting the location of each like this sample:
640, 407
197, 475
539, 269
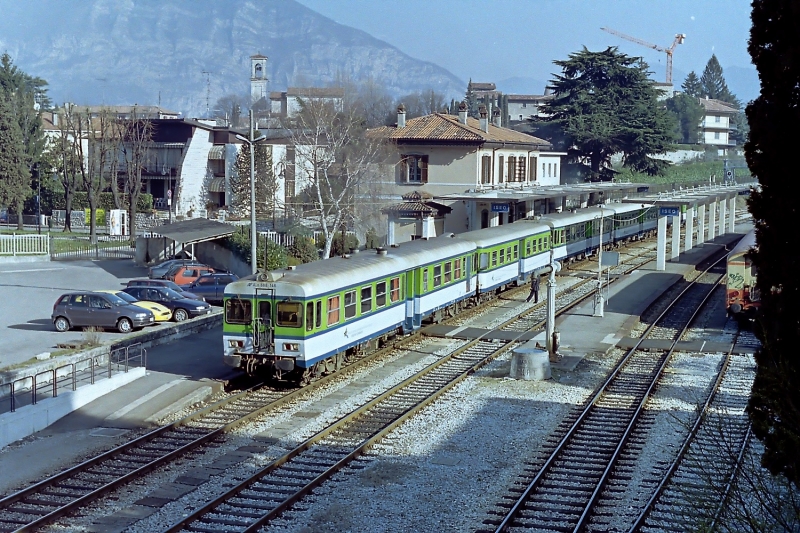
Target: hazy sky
498, 39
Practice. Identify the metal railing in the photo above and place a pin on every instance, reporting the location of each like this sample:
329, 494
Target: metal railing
31, 389
24, 244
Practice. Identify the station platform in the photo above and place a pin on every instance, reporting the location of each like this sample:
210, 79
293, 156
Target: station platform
627, 298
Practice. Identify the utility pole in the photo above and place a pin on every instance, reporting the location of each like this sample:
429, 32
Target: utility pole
598, 297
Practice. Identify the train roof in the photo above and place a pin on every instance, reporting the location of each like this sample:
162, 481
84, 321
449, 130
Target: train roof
743, 246
327, 275
518, 230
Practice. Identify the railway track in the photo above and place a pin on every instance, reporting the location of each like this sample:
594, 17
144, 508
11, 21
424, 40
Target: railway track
695, 487
74, 488
562, 489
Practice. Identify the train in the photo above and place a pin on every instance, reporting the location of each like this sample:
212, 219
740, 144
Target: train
742, 298
309, 320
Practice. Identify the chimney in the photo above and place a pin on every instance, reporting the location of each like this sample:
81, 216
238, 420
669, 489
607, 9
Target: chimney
462, 112
496, 120
401, 116
55, 118
484, 118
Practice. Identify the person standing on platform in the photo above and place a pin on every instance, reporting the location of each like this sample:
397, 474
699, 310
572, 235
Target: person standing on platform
534, 289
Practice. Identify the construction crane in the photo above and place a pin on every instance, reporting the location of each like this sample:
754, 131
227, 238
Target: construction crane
679, 37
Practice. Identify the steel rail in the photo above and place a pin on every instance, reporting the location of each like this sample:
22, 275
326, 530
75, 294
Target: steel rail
684, 447
521, 500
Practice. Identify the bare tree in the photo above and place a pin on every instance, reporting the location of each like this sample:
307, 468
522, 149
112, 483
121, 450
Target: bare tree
423, 103
230, 108
101, 148
137, 135
333, 157
65, 149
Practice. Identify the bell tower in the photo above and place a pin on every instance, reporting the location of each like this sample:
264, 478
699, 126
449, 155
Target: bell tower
258, 78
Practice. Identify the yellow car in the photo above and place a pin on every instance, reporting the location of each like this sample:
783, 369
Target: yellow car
161, 312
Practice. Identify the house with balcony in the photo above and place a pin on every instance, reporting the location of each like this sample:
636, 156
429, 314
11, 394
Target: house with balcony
717, 125
439, 155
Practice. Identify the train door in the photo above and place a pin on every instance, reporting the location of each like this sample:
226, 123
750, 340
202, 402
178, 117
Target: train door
263, 332
409, 292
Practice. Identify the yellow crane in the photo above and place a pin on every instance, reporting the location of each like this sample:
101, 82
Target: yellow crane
679, 37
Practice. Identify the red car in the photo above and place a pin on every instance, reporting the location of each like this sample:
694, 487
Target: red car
184, 275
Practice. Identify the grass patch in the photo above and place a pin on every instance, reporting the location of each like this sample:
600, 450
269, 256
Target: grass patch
690, 173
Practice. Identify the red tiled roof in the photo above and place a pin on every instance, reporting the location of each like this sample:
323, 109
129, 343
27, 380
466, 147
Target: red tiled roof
440, 127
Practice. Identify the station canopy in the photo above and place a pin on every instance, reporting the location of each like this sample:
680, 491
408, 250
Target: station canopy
195, 230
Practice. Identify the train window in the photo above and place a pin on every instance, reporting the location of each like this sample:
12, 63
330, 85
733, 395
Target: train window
424, 280
458, 268
494, 258
516, 251
318, 322
309, 316
508, 253
475, 262
437, 275
289, 314
484, 261
333, 310
366, 300
380, 294
528, 250
502, 255
238, 311
394, 286
448, 271
349, 304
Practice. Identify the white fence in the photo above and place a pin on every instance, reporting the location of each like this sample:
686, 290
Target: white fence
24, 244
286, 239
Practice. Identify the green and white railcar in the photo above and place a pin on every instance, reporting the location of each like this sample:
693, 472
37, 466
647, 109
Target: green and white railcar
301, 322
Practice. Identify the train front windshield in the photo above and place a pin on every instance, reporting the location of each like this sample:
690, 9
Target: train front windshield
289, 314
238, 311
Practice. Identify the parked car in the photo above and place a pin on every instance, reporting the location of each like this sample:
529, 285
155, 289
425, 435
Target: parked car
182, 308
185, 274
211, 286
82, 309
159, 270
162, 313
165, 283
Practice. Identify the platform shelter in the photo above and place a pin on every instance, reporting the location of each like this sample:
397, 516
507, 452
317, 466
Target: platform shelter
708, 211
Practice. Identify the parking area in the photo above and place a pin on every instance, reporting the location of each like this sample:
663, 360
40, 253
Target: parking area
28, 292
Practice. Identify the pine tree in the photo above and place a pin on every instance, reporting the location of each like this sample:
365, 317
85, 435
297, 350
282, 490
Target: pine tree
712, 84
472, 101
688, 113
605, 104
774, 406
691, 85
15, 176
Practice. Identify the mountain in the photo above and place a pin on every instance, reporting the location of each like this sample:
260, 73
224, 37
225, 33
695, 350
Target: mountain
743, 82
184, 55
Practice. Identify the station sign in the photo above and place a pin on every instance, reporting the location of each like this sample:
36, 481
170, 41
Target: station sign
499, 208
669, 211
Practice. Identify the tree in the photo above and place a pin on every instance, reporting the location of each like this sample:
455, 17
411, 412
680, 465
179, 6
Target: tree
67, 162
422, 103
605, 104
102, 145
136, 137
14, 174
774, 406
712, 84
691, 85
688, 113
304, 249
267, 202
230, 107
333, 157
23, 95
472, 101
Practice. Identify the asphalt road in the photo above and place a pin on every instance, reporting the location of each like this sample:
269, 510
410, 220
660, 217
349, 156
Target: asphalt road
29, 290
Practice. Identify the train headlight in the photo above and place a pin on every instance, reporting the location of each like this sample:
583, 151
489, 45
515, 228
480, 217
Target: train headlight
235, 344
291, 347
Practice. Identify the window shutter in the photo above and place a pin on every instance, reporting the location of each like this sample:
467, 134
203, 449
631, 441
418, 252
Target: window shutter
423, 167
402, 168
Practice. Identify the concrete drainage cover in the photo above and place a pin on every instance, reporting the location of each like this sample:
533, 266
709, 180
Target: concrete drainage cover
445, 461
108, 432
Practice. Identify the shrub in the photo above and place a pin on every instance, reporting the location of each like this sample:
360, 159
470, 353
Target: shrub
304, 249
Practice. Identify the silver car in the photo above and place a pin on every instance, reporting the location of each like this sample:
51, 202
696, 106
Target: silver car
82, 309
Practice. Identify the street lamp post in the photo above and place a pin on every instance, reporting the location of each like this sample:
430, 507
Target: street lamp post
253, 236
39, 201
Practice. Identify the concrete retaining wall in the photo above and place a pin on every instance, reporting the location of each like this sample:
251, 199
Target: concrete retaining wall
11, 259
29, 419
